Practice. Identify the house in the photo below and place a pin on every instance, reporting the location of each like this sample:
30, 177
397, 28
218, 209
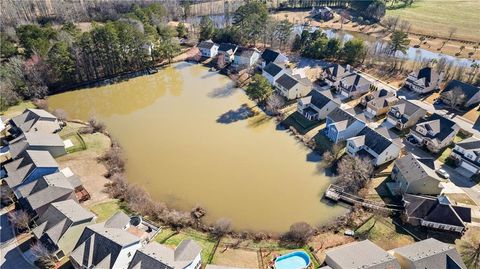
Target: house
429, 253
353, 86
272, 72
154, 255
470, 92
272, 56
36, 196
32, 165
415, 176
33, 120
435, 132
37, 141
245, 57
322, 13
342, 125
333, 74
110, 244
436, 213
61, 225
466, 153
228, 51
405, 114
378, 103
363, 254
317, 105
424, 80
290, 87
208, 49
374, 146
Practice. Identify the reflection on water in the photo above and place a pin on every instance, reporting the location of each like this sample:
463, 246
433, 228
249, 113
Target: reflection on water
190, 138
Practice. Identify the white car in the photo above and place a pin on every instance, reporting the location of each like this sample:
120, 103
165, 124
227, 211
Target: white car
443, 173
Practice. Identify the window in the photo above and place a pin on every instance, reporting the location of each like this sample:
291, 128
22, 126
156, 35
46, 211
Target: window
129, 254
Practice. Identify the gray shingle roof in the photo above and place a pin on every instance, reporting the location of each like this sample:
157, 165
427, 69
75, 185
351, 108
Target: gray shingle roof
471, 143
155, 255
208, 44
35, 139
406, 109
430, 253
363, 254
36, 117
273, 69
414, 169
119, 220
337, 71
224, 47
428, 74
440, 126
245, 52
287, 81
321, 98
468, 89
373, 140
269, 55
343, 118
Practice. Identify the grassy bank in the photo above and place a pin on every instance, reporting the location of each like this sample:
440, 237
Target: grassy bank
435, 17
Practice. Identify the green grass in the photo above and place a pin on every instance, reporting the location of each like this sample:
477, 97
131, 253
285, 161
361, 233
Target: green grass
105, 210
445, 154
435, 17
300, 123
168, 237
17, 109
383, 233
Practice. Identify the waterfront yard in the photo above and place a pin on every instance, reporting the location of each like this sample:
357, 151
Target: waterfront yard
384, 233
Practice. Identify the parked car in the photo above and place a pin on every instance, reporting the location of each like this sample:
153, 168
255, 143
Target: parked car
443, 173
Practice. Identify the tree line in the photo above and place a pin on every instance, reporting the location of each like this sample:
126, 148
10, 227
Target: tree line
36, 57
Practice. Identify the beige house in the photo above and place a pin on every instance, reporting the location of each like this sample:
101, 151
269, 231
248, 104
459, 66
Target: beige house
416, 176
291, 87
405, 114
424, 80
317, 105
378, 103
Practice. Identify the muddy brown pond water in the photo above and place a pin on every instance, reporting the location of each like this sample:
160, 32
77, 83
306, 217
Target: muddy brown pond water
188, 141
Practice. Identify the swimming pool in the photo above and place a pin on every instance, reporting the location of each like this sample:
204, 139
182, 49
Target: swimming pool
293, 260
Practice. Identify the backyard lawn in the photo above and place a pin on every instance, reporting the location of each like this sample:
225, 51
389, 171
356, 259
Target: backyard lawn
435, 17
105, 210
384, 233
170, 238
300, 123
16, 110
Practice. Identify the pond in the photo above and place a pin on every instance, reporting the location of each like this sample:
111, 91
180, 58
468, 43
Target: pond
189, 141
413, 54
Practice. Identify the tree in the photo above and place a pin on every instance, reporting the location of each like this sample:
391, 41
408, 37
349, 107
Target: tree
182, 31
399, 42
469, 248
332, 155
283, 31
354, 51
298, 234
274, 103
45, 257
35, 38
249, 19
333, 48
60, 114
168, 47
207, 29
376, 10
354, 173
62, 62
6, 194
259, 89
7, 46
20, 219
454, 97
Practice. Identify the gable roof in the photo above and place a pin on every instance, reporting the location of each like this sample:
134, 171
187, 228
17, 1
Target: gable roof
405, 109
57, 179
207, 44
342, 118
355, 80
245, 52
287, 81
269, 55
47, 195
322, 98
437, 126
374, 140
337, 71
225, 47
471, 143
363, 254
414, 169
33, 139
19, 169
155, 255
381, 98
272, 69
36, 117
437, 210
430, 253
59, 217
425, 75
467, 89
100, 245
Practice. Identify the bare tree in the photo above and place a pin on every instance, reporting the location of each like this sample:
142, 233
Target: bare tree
113, 159
45, 257
274, 103
117, 186
7, 195
60, 114
391, 23
97, 126
20, 219
222, 227
469, 248
332, 155
198, 212
298, 234
454, 97
40, 103
354, 173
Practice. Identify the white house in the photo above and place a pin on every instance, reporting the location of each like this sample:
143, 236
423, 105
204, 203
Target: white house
245, 57
290, 87
424, 80
187, 255
471, 93
272, 72
333, 74
405, 114
208, 48
374, 146
353, 86
467, 154
272, 56
228, 51
343, 124
436, 132
317, 105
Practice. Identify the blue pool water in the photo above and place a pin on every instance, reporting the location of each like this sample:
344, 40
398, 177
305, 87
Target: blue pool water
294, 260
